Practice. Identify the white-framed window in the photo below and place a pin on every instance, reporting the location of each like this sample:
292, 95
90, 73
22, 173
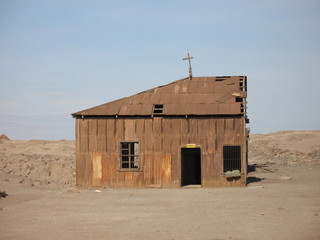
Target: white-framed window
129, 155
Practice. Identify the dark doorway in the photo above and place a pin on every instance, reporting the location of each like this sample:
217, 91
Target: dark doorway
190, 166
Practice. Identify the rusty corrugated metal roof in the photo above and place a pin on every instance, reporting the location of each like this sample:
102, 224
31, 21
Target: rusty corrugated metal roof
199, 96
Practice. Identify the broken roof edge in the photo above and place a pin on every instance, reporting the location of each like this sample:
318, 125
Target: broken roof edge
168, 84
80, 113
186, 78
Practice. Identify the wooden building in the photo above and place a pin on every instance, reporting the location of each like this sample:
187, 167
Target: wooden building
184, 133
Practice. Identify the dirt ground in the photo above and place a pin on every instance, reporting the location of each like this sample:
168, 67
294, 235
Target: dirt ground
281, 201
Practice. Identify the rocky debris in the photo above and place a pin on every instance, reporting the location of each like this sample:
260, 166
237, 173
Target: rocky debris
285, 148
3, 194
38, 162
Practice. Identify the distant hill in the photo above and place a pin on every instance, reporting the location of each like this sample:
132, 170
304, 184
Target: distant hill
3, 138
285, 147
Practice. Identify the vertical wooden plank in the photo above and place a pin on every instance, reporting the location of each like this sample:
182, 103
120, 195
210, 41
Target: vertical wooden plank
78, 136
96, 159
210, 126
84, 136
218, 157
229, 131
119, 129
148, 161
184, 131
239, 131
129, 129
140, 136
109, 163
148, 135
83, 164
218, 163
93, 130
111, 136
176, 136
157, 134
193, 130
105, 178
88, 170
139, 128
157, 162
166, 170
203, 138
203, 127
167, 134
115, 176
220, 132
102, 136
203, 133
148, 169
213, 135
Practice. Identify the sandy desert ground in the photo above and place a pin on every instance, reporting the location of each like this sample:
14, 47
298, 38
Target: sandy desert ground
281, 200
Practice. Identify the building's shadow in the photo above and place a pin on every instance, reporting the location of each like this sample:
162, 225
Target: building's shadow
252, 179
251, 168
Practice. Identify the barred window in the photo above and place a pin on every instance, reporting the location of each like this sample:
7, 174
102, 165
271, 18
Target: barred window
231, 158
129, 155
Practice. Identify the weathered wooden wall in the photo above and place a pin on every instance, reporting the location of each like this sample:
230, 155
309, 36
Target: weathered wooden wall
161, 140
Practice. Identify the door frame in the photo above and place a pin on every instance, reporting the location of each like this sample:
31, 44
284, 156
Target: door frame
181, 164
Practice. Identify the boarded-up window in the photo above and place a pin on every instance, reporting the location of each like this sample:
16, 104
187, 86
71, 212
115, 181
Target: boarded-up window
231, 158
129, 155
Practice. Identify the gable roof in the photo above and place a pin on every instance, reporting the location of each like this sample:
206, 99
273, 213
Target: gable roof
198, 96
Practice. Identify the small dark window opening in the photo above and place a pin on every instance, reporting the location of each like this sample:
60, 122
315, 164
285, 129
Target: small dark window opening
129, 155
231, 158
238, 99
157, 108
242, 108
221, 78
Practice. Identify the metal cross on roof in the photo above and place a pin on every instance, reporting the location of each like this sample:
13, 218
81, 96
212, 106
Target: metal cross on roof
190, 69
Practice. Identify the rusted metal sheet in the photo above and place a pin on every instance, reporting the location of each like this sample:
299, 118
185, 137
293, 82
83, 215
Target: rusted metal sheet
161, 140
184, 94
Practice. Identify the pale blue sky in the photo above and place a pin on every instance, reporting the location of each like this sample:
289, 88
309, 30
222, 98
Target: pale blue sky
59, 57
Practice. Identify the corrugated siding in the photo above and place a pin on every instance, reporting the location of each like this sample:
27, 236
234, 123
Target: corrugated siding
161, 139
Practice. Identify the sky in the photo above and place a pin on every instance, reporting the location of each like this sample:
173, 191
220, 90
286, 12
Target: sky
60, 57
